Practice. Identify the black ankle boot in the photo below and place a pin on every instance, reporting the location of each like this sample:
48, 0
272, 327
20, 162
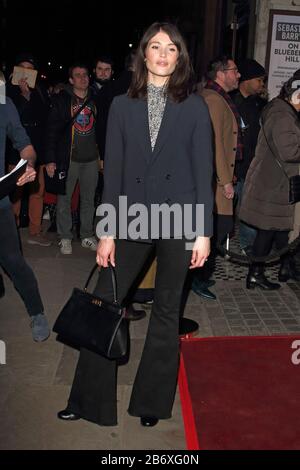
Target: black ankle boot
284, 270
257, 278
288, 269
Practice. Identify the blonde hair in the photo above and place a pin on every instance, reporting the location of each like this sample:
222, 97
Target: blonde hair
2, 77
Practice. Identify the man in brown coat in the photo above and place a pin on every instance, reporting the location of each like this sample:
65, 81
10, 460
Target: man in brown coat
223, 77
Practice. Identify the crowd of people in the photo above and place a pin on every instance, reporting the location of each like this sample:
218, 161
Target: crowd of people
158, 139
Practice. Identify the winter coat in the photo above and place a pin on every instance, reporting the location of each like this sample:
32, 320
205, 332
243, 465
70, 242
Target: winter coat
225, 144
265, 202
59, 129
33, 115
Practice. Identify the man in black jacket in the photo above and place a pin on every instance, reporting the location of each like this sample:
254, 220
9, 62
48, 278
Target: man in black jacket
33, 107
250, 105
72, 148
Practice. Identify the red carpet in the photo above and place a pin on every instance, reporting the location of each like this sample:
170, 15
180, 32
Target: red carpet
241, 392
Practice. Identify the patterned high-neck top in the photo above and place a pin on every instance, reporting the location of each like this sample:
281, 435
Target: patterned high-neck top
157, 98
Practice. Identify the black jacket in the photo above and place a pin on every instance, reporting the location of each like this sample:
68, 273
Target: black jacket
105, 96
179, 170
33, 116
250, 109
59, 130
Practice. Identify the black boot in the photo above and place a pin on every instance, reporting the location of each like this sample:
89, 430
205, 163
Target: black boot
257, 278
201, 288
288, 269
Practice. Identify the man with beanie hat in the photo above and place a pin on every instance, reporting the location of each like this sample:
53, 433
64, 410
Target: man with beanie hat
249, 105
250, 69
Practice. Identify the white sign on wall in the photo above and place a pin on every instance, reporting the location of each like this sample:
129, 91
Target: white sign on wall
283, 56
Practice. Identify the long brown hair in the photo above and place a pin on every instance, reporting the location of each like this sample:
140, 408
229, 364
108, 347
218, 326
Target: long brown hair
179, 84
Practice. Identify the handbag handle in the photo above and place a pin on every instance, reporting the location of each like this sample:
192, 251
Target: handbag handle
113, 279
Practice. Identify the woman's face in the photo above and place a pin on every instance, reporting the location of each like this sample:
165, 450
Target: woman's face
161, 57
295, 99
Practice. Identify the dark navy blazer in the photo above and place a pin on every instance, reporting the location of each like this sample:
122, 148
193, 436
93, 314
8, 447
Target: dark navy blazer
178, 170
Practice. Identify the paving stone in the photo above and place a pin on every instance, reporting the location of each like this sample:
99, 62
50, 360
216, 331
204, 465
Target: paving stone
229, 306
285, 314
250, 316
271, 322
276, 330
235, 322
247, 310
220, 331
293, 329
265, 311
239, 331
290, 322
233, 316
256, 322
268, 316
258, 331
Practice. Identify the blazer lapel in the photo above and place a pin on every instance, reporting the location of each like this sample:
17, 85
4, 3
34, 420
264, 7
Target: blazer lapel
141, 126
168, 121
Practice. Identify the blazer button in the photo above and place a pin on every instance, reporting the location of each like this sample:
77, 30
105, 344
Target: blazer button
138, 180
168, 177
232, 164
234, 149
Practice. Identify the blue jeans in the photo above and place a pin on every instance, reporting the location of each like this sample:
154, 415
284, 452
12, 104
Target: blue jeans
247, 233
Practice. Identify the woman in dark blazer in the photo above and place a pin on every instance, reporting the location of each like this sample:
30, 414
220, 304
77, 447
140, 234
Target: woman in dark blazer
158, 151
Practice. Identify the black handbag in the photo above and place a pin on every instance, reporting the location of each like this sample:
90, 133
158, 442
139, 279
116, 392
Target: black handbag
294, 181
57, 183
90, 322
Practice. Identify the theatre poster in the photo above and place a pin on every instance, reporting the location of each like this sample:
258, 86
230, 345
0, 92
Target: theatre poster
283, 48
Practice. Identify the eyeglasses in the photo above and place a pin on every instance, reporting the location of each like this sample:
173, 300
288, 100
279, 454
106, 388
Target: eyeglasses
232, 68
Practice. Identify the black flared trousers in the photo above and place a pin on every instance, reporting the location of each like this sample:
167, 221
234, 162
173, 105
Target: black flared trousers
93, 394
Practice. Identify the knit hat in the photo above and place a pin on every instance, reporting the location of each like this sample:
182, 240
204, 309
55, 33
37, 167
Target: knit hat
296, 75
26, 57
249, 69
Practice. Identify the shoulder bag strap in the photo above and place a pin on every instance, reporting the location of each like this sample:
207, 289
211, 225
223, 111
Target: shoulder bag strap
279, 162
73, 118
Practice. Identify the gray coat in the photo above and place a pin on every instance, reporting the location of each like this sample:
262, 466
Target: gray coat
265, 201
